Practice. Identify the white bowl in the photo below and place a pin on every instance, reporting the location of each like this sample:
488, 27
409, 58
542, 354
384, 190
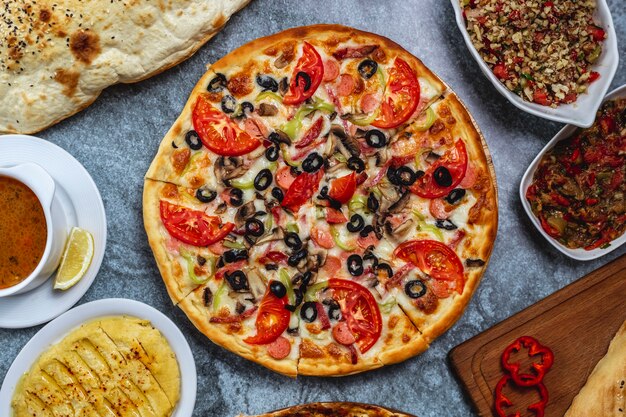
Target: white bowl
583, 111
578, 254
43, 186
57, 329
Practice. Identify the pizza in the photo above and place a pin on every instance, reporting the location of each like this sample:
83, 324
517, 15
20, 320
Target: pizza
56, 56
324, 204
335, 409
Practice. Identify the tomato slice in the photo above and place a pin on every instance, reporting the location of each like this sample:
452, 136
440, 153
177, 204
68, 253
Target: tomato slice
343, 188
310, 68
360, 310
402, 95
218, 132
271, 321
191, 226
302, 189
435, 259
455, 161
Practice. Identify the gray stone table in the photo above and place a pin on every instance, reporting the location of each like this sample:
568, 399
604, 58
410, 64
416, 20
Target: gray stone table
117, 137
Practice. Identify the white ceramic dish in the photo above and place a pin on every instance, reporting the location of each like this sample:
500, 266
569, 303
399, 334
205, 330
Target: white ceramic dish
580, 113
578, 254
43, 186
80, 202
54, 331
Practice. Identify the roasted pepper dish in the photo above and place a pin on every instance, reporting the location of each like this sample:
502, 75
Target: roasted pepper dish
577, 192
542, 51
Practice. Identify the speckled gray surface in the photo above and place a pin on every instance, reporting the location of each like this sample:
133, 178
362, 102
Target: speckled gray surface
117, 137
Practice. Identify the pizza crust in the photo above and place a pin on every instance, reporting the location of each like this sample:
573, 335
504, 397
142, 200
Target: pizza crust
64, 70
344, 409
604, 393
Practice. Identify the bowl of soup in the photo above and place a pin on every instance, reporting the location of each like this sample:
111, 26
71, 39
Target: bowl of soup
32, 228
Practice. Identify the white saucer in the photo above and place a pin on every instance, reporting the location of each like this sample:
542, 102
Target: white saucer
82, 204
54, 331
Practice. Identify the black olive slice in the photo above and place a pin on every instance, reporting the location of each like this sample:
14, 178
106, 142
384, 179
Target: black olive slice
278, 289
204, 195
445, 224
237, 280
278, 194
263, 179
267, 82
271, 153
271, 267
334, 311
313, 162
392, 175
303, 77
442, 176
234, 255
299, 293
297, 257
229, 104
293, 241
356, 223
474, 263
255, 227
236, 197
366, 230
368, 68
406, 176
415, 288
356, 164
193, 140
355, 265
375, 138
246, 109
217, 84
455, 196
372, 203
308, 311
384, 267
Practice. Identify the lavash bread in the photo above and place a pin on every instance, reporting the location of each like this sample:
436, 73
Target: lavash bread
604, 393
56, 56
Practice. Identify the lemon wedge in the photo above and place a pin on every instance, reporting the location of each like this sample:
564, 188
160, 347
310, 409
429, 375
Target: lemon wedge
76, 259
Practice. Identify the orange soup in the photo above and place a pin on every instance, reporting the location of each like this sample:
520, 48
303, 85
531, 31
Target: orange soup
23, 231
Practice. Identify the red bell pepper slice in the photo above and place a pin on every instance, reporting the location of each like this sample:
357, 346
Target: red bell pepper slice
539, 369
502, 401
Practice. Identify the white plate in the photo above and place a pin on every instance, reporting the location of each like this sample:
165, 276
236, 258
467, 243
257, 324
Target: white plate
578, 254
54, 332
83, 207
583, 111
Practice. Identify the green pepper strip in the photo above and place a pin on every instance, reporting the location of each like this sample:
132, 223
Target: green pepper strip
268, 95
357, 203
430, 119
337, 237
283, 276
219, 295
386, 308
231, 244
194, 158
293, 126
311, 293
190, 268
292, 228
285, 153
422, 225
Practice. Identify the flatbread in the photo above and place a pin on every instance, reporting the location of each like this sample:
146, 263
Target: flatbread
334, 409
58, 55
193, 182
604, 393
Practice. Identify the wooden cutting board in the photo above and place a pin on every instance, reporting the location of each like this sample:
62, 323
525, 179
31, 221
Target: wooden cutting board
577, 323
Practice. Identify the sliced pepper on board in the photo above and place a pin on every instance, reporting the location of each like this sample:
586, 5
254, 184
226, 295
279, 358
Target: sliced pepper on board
539, 369
502, 402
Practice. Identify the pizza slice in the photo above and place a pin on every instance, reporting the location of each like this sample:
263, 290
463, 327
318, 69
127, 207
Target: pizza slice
452, 204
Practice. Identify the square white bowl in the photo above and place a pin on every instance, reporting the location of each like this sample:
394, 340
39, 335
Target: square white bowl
583, 111
578, 254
